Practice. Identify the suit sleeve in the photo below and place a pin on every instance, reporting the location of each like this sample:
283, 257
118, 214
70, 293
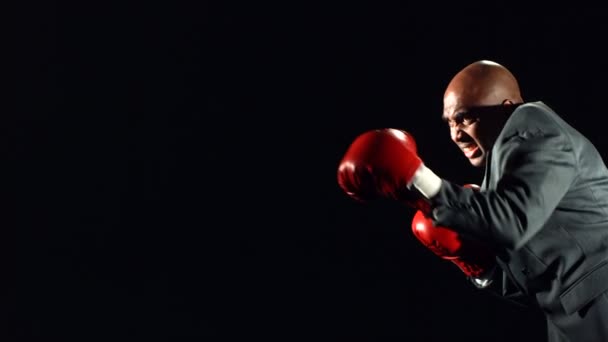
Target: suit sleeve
538, 166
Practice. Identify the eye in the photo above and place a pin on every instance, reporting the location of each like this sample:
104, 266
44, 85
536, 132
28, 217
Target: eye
462, 119
468, 120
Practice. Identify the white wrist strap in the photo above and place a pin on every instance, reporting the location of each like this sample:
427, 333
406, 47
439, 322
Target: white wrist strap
426, 181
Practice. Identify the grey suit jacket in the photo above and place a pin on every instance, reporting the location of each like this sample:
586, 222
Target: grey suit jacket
543, 207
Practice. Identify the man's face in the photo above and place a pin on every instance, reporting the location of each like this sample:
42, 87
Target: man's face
472, 128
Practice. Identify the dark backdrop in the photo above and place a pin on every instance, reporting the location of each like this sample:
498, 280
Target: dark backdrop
171, 168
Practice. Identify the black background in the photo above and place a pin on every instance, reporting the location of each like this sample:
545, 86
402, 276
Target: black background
171, 168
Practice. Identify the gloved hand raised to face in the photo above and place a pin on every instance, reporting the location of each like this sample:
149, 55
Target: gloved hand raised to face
473, 258
385, 163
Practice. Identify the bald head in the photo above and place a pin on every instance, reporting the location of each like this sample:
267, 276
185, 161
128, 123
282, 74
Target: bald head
476, 104
482, 83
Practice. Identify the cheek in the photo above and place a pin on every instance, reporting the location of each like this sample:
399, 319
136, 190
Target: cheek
478, 136
472, 132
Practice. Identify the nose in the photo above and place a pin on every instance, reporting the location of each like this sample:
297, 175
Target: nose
455, 133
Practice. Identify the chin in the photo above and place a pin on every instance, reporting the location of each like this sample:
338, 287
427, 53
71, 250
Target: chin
477, 162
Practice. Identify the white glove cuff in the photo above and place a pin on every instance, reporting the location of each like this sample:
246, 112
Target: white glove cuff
426, 181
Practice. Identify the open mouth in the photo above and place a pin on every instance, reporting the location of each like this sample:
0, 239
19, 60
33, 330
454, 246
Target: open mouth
470, 151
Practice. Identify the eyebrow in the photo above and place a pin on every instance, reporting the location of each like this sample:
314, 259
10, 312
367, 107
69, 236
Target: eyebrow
456, 117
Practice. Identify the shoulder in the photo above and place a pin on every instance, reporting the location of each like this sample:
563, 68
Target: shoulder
533, 114
532, 118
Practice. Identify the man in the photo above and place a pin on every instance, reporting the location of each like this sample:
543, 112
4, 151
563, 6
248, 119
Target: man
542, 207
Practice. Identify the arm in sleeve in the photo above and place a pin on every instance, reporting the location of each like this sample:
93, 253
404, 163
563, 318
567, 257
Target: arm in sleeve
537, 170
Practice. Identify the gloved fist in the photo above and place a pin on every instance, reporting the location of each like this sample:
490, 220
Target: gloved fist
380, 163
473, 258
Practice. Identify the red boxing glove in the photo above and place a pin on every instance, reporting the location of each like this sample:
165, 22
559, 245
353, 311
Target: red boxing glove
379, 163
473, 258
